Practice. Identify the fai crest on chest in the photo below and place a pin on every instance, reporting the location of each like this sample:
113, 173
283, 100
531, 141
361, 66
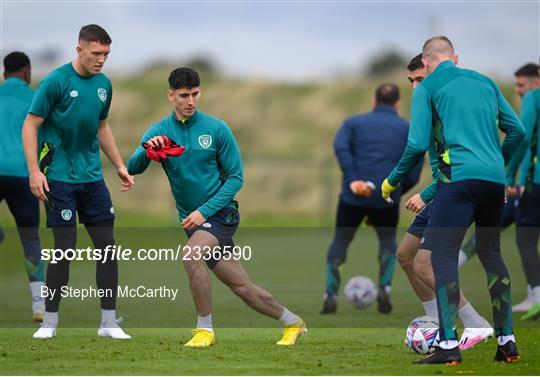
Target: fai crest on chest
102, 94
205, 141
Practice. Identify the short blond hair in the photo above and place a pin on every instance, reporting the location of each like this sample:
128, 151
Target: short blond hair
438, 46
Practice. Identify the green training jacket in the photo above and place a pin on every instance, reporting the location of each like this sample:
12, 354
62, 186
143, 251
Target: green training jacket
208, 175
528, 151
15, 99
461, 110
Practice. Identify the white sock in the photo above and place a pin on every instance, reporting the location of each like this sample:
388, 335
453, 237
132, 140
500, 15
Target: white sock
51, 319
448, 344
529, 292
35, 288
288, 317
503, 339
107, 315
205, 322
462, 258
470, 317
535, 294
430, 307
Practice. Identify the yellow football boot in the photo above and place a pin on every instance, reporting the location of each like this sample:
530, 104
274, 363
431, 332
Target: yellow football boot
201, 338
292, 332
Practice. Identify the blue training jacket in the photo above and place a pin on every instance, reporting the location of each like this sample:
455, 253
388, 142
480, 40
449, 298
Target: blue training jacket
368, 146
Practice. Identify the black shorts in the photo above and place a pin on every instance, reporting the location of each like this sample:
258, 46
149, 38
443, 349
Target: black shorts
420, 222
90, 201
21, 202
222, 225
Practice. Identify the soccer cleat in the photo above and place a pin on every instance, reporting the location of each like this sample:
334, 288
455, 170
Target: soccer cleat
533, 313
383, 300
292, 332
471, 336
330, 304
442, 356
111, 329
508, 353
201, 338
524, 306
47, 330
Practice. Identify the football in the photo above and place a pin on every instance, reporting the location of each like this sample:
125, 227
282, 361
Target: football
360, 291
421, 334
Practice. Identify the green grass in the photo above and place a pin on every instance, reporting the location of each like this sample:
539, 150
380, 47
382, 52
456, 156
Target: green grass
289, 262
243, 352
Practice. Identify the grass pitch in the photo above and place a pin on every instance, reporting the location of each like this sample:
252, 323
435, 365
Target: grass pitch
290, 264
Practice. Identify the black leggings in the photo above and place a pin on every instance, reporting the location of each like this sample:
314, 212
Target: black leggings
528, 233
106, 273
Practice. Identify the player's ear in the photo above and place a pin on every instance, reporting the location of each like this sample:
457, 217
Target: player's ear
170, 95
79, 49
28, 75
396, 105
456, 59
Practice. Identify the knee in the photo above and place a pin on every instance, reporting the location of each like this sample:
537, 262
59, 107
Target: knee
405, 259
193, 267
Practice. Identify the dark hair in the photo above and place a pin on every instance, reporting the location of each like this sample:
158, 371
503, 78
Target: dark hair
387, 94
184, 78
415, 63
94, 33
15, 61
528, 70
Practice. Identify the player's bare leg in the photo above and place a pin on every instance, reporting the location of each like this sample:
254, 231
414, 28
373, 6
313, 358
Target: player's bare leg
200, 285
232, 273
406, 253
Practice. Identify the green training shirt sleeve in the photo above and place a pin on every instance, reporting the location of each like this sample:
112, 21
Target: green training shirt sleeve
46, 97
419, 136
529, 115
428, 193
138, 162
230, 165
510, 124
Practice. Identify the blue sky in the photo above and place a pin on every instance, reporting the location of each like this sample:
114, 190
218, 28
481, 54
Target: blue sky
282, 40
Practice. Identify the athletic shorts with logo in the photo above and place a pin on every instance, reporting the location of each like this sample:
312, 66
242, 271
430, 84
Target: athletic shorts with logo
420, 225
222, 225
91, 202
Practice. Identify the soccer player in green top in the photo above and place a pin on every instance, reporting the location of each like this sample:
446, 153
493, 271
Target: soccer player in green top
204, 182
16, 96
463, 110
70, 110
415, 257
528, 211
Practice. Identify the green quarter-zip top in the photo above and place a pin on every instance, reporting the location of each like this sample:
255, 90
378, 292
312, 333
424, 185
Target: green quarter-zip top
208, 175
460, 109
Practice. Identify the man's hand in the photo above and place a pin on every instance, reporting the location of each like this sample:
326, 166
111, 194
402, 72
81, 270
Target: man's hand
38, 185
386, 190
514, 191
156, 142
361, 188
127, 180
415, 203
194, 220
